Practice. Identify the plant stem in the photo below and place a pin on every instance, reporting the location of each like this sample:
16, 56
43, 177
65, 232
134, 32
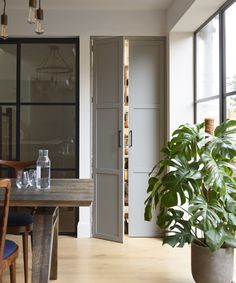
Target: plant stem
197, 239
185, 210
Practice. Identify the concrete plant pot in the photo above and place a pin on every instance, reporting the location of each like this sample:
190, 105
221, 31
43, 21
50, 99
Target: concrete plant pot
212, 267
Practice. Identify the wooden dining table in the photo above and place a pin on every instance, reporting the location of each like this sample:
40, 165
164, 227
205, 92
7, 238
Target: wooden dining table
62, 193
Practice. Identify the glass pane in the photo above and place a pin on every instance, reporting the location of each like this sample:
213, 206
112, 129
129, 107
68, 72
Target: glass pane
230, 47
231, 107
8, 73
52, 128
8, 132
207, 45
208, 109
48, 73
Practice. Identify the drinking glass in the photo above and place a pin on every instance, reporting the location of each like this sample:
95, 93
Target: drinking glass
22, 179
19, 180
25, 179
32, 177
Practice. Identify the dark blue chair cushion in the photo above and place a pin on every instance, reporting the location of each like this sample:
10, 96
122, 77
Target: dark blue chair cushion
9, 248
19, 219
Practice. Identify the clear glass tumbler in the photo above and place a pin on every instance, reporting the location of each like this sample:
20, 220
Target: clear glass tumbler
22, 179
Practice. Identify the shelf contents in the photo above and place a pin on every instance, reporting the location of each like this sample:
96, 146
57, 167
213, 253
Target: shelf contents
126, 144
126, 85
126, 123
126, 170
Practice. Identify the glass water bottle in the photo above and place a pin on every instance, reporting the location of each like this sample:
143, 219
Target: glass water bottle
43, 166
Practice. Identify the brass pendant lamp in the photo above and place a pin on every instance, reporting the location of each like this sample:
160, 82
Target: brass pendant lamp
35, 16
4, 21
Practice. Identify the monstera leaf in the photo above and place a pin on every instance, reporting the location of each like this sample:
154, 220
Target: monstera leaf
206, 214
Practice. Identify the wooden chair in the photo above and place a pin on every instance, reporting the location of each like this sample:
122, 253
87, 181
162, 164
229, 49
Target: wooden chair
20, 223
8, 249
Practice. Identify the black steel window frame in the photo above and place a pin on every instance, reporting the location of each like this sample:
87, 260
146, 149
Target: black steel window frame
62, 40
222, 65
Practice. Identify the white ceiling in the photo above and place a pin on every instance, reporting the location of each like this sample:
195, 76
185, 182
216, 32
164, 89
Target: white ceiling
95, 4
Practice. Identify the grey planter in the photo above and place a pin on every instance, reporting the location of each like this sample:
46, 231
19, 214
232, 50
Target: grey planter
212, 267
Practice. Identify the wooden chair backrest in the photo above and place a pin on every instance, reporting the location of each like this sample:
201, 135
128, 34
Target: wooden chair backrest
17, 165
5, 184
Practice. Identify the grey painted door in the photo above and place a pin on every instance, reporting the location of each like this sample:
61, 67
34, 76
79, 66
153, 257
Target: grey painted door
107, 138
146, 122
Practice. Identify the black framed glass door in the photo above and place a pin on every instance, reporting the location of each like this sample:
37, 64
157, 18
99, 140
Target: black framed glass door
39, 107
39, 101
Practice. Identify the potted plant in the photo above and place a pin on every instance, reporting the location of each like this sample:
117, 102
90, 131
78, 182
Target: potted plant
194, 188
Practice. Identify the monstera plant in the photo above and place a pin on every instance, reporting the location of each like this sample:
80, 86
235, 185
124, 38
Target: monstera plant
194, 187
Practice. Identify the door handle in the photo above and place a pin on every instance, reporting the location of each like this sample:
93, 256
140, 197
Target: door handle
119, 138
130, 138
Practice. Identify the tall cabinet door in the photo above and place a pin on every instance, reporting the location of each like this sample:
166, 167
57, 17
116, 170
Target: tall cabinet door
146, 122
107, 138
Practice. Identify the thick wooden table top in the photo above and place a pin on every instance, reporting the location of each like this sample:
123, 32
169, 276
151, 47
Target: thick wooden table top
63, 192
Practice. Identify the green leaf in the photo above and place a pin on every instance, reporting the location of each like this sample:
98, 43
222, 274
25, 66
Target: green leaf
230, 240
205, 213
152, 184
171, 240
215, 238
152, 181
232, 218
169, 199
169, 216
148, 211
228, 127
178, 234
230, 205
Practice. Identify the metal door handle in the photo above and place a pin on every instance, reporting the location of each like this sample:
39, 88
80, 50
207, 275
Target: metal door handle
130, 138
119, 138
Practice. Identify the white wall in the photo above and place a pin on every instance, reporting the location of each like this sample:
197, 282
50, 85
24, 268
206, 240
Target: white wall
188, 15
176, 12
180, 79
85, 24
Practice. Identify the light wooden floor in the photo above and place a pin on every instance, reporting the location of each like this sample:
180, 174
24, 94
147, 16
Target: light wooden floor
138, 260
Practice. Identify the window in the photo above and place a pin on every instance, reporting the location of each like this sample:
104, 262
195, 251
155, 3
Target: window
230, 61
215, 67
39, 102
230, 47
207, 40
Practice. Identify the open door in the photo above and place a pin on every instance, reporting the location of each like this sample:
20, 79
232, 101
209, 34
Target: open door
108, 138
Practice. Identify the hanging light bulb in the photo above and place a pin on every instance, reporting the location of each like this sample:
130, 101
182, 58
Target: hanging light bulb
32, 12
4, 29
39, 14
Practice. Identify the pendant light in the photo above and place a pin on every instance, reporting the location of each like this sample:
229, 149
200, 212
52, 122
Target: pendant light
4, 28
32, 12
54, 65
39, 15
35, 16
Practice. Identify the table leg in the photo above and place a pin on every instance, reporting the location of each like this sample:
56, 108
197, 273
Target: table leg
45, 219
54, 259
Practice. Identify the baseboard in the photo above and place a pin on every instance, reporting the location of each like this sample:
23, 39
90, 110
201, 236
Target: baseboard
84, 227
84, 230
